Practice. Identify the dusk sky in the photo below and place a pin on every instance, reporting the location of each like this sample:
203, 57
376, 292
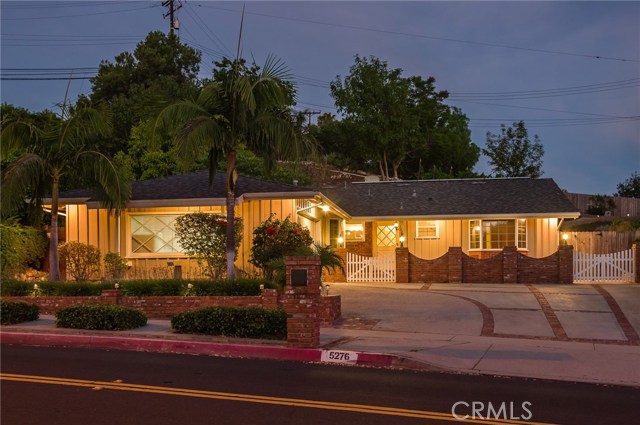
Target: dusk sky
570, 70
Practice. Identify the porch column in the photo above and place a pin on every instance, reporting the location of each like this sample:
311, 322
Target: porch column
509, 264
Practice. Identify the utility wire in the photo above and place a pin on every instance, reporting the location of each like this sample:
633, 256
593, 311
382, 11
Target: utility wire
78, 15
429, 37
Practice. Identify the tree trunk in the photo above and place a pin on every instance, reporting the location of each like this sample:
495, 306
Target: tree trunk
231, 203
54, 262
396, 165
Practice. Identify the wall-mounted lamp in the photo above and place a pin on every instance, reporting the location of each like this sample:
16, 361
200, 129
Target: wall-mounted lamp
401, 241
565, 238
340, 240
324, 208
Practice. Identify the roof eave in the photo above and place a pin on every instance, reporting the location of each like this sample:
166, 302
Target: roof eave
469, 216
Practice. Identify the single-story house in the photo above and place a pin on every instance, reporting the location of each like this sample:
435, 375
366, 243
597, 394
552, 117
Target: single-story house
482, 216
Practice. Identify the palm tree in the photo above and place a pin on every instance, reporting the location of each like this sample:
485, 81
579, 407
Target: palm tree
241, 105
51, 151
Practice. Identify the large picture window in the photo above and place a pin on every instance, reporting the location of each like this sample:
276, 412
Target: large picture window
496, 234
151, 234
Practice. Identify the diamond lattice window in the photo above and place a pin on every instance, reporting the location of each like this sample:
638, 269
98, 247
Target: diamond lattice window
387, 236
152, 234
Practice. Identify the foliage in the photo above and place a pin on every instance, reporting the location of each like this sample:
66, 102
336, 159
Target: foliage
275, 239
50, 151
204, 236
12, 312
241, 105
624, 225
114, 265
82, 260
329, 259
512, 154
239, 322
160, 70
104, 317
600, 204
20, 247
72, 289
15, 288
630, 188
390, 118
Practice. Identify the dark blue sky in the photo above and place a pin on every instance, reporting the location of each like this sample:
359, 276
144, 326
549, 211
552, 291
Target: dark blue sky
574, 66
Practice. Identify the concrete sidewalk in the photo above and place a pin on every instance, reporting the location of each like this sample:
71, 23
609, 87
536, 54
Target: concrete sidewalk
567, 361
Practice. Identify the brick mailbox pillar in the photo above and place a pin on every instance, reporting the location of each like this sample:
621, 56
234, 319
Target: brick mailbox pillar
302, 301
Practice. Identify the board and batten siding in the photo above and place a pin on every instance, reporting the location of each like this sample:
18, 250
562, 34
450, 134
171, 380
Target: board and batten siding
97, 227
542, 238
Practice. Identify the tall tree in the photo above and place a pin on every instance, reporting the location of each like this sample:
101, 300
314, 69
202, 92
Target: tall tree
630, 188
52, 151
512, 154
159, 71
240, 106
395, 122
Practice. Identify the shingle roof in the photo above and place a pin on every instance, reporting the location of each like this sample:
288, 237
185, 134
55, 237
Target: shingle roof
195, 185
468, 197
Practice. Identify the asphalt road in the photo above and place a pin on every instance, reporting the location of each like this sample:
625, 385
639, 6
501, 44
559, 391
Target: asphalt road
76, 386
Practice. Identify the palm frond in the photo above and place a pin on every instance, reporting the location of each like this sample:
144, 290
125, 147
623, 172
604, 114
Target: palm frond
17, 135
114, 188
27, 173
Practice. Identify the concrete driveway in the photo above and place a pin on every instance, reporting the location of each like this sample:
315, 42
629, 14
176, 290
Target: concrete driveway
586, 333
584, 313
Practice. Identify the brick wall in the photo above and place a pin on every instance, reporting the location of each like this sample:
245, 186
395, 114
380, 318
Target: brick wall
506, 266
365, 247
330, 309
49, 305
167, 307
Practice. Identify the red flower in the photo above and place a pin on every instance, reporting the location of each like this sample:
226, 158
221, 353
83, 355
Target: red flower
296, 231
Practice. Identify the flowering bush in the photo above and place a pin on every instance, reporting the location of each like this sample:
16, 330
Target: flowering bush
204, 236
275, 239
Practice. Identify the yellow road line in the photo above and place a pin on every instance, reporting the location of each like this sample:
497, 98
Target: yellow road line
379, 410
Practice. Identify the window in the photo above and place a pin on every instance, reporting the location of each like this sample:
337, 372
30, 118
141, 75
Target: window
355, 232
152, 234
387, 236
334, 232
427, 229
496, 234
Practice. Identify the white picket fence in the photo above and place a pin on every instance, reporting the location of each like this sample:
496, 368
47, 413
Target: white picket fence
371, 269
616, 267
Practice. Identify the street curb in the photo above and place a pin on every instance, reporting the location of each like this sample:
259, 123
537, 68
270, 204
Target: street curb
183, 347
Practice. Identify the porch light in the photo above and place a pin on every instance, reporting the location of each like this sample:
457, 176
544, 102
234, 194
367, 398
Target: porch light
340, 240
565, 237
401, 240
324, 208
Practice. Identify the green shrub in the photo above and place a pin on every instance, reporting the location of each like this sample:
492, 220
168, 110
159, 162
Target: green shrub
239, 322
152, 288
104, 317
204, 236
17, 312
15, 288
230, 288
114, 265
274, 239
72, 289
82, 260
20, 247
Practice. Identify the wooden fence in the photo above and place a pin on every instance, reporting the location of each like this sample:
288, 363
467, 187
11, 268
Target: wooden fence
371, 269
603, 242
625, 207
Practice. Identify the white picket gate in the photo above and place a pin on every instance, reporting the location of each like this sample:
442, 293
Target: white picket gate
616, 267
371, 269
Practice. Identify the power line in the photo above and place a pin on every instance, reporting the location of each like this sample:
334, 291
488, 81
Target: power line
207, 31
78, 15
532, 108
429, 37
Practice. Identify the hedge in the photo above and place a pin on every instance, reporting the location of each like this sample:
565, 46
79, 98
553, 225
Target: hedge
12, 312
20, 246
104, 317
239, 322
140, 288
15, 288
